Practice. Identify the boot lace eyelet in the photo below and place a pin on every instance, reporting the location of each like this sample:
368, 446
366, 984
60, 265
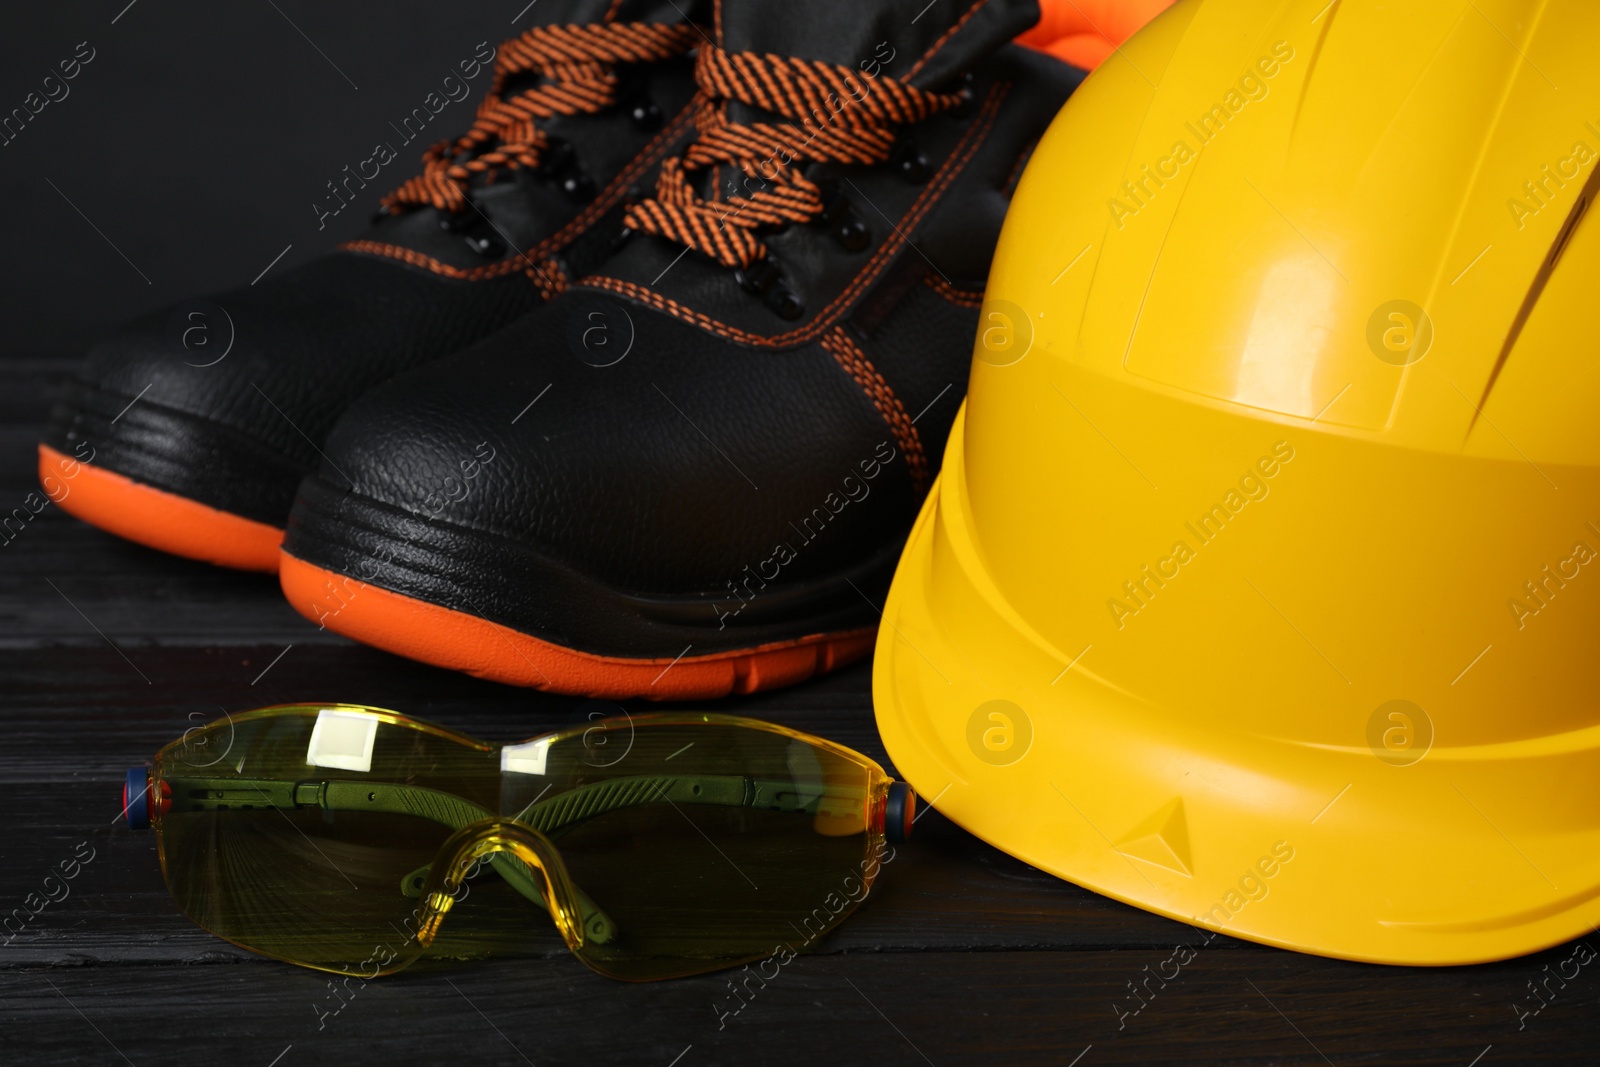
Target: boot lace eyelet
646, 115
913, 166
853, 235
579, 186
786, 302
486, 245
763, 278
471, 227
840, 219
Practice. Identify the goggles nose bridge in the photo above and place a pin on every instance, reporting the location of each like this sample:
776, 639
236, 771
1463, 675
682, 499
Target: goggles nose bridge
526, 859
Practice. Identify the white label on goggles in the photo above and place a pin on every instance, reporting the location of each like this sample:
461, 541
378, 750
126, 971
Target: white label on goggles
525, 759
342, 739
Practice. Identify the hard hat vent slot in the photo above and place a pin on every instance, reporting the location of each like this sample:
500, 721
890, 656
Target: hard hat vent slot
1536, 289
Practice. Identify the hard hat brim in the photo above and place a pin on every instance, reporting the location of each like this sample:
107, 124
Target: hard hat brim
1315, 848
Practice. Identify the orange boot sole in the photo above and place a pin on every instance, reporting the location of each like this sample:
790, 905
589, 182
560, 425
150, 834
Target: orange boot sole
159, 519
443, 637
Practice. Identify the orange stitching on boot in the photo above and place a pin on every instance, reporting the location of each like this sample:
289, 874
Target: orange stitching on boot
426, 262
967, 298
659, 146
944, 38
551, 278
855, 362
861, 131
930, 195
577, 64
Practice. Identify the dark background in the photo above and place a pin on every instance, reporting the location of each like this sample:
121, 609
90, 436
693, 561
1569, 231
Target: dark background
196, 142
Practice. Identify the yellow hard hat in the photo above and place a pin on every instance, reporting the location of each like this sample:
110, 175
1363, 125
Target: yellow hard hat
1260, 585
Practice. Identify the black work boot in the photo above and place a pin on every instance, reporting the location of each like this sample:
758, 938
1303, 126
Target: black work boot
694, 475
195, 424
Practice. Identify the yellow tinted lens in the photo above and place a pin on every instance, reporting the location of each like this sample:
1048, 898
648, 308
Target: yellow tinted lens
704, 843
284, 831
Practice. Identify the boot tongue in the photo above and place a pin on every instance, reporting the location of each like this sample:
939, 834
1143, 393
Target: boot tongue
930, 45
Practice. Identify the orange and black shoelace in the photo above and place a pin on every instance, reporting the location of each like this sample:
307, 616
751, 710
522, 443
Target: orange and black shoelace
576, 68
835, 114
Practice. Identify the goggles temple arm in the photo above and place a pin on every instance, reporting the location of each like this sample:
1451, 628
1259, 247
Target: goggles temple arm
547, 816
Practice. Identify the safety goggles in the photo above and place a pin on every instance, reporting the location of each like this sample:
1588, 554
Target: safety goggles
338, 837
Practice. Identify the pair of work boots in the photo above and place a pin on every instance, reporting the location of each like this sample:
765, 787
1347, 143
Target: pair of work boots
635, 390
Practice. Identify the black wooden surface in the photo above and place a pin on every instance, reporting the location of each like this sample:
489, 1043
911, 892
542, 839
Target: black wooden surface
187, 158
108, 651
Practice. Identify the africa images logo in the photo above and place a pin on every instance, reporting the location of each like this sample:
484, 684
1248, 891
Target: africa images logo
1253, 86
999, 733
1252, 486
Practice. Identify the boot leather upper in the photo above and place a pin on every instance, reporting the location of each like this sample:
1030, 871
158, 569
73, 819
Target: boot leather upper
238, 431
727, 435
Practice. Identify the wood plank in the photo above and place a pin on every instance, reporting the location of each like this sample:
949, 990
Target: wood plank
1251, 1007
